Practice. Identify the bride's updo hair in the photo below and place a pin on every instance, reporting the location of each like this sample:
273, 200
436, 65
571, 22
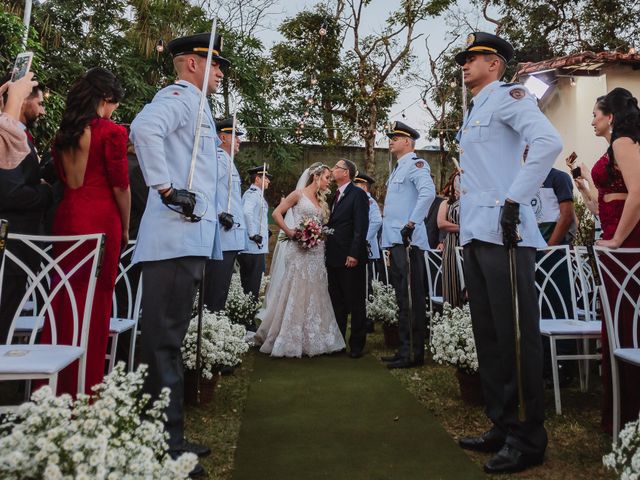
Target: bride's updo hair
315, 171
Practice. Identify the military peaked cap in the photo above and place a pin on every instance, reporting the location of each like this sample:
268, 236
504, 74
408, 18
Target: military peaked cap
364, 178
259, 171
402, 129
199, 45
226, 126
485, 43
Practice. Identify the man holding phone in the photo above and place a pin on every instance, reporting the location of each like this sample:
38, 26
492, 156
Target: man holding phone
24, 198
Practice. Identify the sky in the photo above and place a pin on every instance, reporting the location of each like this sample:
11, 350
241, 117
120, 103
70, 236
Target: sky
409, 107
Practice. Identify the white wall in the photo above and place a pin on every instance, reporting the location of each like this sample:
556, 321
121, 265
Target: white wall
570, 109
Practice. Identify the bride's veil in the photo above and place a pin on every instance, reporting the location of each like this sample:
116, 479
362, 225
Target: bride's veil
277, 270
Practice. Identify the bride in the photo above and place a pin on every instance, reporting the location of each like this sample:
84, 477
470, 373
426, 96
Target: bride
298, 318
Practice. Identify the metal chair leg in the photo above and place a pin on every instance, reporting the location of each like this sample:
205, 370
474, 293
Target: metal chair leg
556, 381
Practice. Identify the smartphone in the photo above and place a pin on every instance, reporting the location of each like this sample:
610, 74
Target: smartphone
576, 172
21, 66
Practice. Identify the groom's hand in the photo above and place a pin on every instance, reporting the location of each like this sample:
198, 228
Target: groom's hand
351, 262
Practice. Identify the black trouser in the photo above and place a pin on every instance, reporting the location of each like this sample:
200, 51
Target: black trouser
14, 283
252, 266
414, 326
486, 271
347, 292
168, 292
218, 279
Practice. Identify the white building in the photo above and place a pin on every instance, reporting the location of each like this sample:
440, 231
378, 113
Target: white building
575, 82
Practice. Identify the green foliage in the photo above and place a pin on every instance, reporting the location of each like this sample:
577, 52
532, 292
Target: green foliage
585, 234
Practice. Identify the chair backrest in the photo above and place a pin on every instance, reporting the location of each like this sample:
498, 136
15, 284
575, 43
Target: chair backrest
72, 265
587, 293
554, 283
433, 260
460, 266
619, 272
127, 294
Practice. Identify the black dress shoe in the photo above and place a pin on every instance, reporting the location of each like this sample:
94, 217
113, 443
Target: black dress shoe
391, 358
355, 354
405, 363
489, 442
510, 460
198, 470
191, 447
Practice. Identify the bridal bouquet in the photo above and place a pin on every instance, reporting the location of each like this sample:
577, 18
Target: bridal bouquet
452, 338
118, 433
310, 232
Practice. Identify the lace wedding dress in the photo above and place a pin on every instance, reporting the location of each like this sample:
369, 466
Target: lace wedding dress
299, 318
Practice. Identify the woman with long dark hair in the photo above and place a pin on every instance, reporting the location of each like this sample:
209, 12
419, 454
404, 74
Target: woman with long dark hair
90, 155
616, 175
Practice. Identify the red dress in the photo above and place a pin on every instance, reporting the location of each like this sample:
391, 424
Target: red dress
92, 208
610, 214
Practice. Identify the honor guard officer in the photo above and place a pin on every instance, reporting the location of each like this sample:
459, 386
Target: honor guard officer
495, 212
253, 260
365, 182
410, 192
233, 229
171, 247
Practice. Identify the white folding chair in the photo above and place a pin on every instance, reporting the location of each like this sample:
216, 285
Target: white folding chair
558, 313
460, 266
433, 261
620, 288
125, 310
32, 361
587, 294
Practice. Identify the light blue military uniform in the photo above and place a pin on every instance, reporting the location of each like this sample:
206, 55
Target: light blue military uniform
234, 239
256, 212
410, 192
375, 223
163, 134
504, 119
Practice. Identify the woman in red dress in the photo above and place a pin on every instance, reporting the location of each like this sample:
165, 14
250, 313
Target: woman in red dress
90, 154
617, 177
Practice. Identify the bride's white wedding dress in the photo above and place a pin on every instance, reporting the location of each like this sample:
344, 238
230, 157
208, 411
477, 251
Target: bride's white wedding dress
299, 319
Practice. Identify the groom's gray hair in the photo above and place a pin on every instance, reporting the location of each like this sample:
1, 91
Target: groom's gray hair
353, 170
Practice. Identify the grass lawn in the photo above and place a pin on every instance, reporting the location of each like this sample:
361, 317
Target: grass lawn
576, 445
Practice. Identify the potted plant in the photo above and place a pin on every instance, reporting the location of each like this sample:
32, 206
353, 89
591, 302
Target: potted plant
241, 308
112, 434
624, 459
382, 307
452, 343
222, 344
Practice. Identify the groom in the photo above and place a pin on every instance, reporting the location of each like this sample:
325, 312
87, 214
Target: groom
346, 255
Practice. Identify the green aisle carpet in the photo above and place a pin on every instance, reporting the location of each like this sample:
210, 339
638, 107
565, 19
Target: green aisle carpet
333, 417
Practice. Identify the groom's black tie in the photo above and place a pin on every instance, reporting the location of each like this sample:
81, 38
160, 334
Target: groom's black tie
335, 200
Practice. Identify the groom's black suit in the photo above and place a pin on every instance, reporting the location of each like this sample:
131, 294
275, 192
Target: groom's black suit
350, 221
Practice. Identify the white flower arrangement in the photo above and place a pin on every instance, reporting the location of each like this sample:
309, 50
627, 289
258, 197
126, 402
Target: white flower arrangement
625, 457
241, 307
102, 437
222, 343
452, 338
381, 304
264, 282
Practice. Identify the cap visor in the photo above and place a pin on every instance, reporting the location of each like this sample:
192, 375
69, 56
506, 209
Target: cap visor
461, 57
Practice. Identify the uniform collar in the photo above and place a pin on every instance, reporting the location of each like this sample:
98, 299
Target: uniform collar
407, 156
483, 94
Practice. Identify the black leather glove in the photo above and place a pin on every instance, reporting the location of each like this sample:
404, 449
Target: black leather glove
184, 199
509, 220
406, 233
257, 239
226, 220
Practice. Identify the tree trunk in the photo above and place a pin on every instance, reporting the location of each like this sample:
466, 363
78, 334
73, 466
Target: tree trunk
369, 138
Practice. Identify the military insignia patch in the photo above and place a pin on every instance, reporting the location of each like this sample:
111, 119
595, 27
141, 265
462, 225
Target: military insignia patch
518, 93
470, 39
420, 164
